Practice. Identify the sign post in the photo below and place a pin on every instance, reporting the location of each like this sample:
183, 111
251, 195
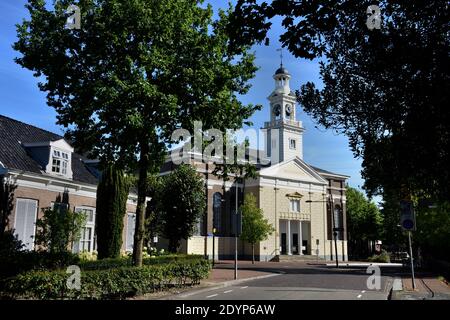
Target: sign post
408, 223
317, 250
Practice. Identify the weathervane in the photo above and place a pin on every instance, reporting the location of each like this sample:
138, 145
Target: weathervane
281, 56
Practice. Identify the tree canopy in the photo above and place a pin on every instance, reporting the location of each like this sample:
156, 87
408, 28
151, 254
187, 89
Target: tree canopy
386, 89
364, 222
135, 71
255, 227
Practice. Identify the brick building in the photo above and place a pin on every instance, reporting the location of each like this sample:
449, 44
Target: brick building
47, 171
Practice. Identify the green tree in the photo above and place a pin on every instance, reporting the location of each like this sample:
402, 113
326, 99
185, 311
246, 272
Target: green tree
254, 227
181, 202
364, 223
134, 72
59, 229
153, 220
433, 230
7, 189
112, 196
393, 235
379, 86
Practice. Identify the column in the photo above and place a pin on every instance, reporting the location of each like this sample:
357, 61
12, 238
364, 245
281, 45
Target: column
300, 236
289, 236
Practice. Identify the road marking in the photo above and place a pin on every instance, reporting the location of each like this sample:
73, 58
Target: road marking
244, 287
227, 291
359, 296
364, 291
213, 295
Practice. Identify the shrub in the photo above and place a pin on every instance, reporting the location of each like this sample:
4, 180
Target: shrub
15, 260
113, 283
88, 255
58, 229
382, 257
127, 261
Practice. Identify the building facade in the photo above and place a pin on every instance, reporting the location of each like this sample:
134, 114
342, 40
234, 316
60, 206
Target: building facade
46, 172
306, 205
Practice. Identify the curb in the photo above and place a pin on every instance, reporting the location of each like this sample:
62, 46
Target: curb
364, 265
226, 284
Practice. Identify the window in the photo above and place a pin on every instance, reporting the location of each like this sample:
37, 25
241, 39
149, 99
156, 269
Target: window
87, 241
25, 221
217, 209
60, 162
339, 221
295, 205
292, 143
131, 224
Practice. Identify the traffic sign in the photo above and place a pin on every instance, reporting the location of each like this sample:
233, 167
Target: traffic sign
407, 216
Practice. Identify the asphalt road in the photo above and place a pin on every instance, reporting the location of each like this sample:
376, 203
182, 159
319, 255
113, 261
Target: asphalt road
302, 283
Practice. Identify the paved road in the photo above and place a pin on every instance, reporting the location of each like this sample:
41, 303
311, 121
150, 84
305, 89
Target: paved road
301, 283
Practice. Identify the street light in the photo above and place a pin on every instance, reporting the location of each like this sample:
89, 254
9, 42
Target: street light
214, 230
335, 230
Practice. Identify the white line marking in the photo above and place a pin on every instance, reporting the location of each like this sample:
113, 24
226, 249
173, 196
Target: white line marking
244, 287
227, 291
213, 295
359, 296
364, 291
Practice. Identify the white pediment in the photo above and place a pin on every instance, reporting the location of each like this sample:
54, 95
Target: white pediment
293, 169
61, 144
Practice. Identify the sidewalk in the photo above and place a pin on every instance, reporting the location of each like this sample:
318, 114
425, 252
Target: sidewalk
224, 271
428, 287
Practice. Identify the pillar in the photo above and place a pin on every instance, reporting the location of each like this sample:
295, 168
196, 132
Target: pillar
289, 236
300, 237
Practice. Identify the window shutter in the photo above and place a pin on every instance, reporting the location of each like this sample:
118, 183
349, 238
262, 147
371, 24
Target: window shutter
131, 224
25, 221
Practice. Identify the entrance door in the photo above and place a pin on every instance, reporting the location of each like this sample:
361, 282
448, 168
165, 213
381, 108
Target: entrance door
283, 243
295, 243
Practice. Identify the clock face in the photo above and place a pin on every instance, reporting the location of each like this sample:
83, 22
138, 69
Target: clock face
277, 110
288, 110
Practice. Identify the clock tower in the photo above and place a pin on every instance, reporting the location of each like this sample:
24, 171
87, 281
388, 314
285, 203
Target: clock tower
284, 132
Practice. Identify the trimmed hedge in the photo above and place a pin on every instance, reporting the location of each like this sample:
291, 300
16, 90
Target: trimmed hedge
115, 283
124, 262
14, 263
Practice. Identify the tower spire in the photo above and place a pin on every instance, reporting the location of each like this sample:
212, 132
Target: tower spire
281, 56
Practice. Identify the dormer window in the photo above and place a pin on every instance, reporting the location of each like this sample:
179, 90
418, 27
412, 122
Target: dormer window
54, 156
60, 162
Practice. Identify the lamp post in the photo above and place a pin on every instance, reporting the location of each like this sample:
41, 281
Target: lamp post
213, 246
334, 229
236, 236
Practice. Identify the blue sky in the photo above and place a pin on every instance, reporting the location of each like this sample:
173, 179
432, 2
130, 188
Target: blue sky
21, 99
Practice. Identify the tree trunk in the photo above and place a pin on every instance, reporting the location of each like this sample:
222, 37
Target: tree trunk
140, 210
253, 253
173, 245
